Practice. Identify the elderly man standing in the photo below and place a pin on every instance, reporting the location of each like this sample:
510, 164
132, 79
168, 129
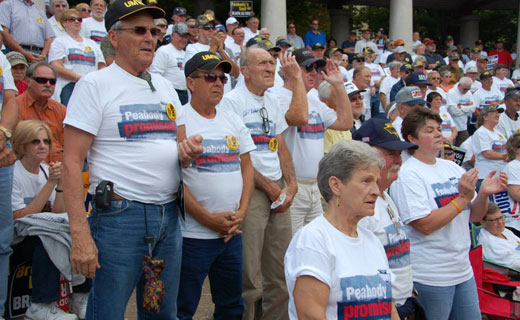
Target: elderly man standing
218, 187
36, 104
128, 122
8, 121
25, 29
169, 60
306, 142
461, 106
267, 229
57, 7
509, 121
93, 28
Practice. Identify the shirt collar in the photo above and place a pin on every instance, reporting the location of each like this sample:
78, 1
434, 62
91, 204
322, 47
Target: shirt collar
31, 102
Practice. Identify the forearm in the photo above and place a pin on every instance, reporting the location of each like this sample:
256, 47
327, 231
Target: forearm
382, 97
266, 185
248, 184
46, 47
235, 70
439, 218
73, 194
37, 204
514, 192
479, 207
10, 111
10, 42
59, 203
493, 155
287, 167
64, 72
345, 120
298, 113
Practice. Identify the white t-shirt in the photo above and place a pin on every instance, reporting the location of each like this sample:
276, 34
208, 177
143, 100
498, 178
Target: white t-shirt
27, 185
56, 27
460, 106
303, 141
135, 142
93, 29
236, 50
388, 227
467, 146
376, 70
194, 48
503, 251
397, 124
484, 140
355, 270
484, 98
247, 106
214, 177
447, 122
385, 88
248, 34
508, 126
362, 44
81, 57
502, 85
6, 79
441, 258
169, 63
509, 207
516, 75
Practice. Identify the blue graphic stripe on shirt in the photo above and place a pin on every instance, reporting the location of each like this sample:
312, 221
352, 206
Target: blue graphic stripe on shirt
146, 122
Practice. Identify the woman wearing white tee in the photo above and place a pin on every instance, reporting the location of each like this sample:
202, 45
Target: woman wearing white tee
73, 56
333, 268
436, 199
488, 144
512, 169
449, 130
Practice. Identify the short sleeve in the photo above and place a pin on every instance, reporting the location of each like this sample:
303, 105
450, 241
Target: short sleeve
58, 50
513, 173
17, 196
481, 142
99, 55
8, 76
411, 197
85, 110
5, 14
49, 33
309, 262
329, 115
160, 62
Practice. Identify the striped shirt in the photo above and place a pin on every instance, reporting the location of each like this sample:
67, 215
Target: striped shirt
27, 24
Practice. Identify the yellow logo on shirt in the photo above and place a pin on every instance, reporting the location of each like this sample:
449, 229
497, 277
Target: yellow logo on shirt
88, 49
500, 136
1, 71
232, 142
39, 19
445, 116
170, 111
273, 144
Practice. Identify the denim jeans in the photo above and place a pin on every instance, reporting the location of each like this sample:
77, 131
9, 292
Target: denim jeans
458, 302
118, 232
223, 263
6, 230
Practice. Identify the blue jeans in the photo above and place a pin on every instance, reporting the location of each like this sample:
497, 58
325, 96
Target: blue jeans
118, 232
459, 302
6, 230
223, 263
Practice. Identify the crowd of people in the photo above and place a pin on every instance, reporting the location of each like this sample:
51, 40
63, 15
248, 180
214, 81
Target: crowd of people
346, 176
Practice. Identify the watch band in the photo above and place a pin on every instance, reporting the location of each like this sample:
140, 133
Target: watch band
6, 131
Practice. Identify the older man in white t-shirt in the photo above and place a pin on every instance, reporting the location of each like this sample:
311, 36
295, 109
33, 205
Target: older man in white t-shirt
509, 121
460, 105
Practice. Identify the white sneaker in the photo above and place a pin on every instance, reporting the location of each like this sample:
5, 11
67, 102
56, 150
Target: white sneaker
78, 304
47, 311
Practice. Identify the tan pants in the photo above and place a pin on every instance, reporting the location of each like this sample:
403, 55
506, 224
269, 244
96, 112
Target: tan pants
306, 205
265, 239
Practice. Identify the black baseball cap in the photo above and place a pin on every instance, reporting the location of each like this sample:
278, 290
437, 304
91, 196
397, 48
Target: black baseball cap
418, 78
485, 75
379, 132
179, 11
304, 57
205, 61
121, 9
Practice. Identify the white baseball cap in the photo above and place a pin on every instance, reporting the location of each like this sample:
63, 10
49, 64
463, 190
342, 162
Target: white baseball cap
231, 20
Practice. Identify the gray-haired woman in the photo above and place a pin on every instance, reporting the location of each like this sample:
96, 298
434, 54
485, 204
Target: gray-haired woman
333, 269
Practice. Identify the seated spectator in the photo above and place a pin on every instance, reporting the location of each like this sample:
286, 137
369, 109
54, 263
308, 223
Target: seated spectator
73, 56
37, 187
84, 9
512, 170
18, 69
36, 104
448, 153
499, 244
320, 277
57, 8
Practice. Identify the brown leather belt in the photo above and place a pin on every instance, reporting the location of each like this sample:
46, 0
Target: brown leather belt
115, 196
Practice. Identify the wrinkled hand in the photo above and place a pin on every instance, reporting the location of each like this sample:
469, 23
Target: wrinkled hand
32, 57
7, 156
492, 185
223, 222
84, 253
238, 216
190, 149
467, 184
54, 173
332, 74
288, 200
291, 68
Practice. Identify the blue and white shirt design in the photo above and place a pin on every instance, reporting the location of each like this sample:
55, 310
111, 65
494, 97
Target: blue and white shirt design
217, 157
146, 122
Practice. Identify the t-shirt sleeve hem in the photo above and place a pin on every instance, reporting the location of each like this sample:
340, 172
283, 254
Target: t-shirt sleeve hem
80, 125
315, 273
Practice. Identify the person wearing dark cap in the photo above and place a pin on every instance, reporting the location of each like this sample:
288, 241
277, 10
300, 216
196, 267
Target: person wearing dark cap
218, 187
193, 30
179, 15
318, 50
433, 59
475, 55
453, 67
314, 35
405, 71
504, 57
169, 61
349, 45
480, 45
386, 222
487, 95
211, 40
357, 61
406, 99
267, 229
128, 122
509, 122
461, 105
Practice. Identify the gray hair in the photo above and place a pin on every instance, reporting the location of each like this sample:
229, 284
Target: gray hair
116, 26
52, 2
32, 68
445, 72
343, 159
159, 20
465, 81
394, 64
324, 90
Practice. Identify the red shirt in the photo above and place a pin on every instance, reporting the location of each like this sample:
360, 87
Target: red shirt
504, 57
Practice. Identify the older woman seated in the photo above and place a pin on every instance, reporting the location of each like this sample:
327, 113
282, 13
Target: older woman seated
498, 243
333, 268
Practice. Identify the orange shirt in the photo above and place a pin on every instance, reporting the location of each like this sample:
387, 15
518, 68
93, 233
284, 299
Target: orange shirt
53, 115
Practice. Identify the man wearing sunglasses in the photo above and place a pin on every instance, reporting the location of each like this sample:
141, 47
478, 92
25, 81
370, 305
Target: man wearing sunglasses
84, 10
267, 229
36, 104
93, 28
131, 125
306, 141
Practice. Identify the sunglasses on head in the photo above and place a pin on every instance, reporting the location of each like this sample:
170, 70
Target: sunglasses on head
211, 78
140, 30
43, 80
37, 142
72, 19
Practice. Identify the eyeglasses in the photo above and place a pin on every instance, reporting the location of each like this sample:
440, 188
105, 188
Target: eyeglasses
212, 78
60, 5
355, 98
311, 67
140, 30
42, 80
162, 25
436, 78
265, 120
87, 10
207, 28
72, 19
501, 218
37, 142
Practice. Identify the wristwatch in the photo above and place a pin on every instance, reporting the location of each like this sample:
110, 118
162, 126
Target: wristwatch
6, 131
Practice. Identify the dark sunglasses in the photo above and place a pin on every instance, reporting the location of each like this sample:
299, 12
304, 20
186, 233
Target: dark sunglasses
72, 19
209, 28
310, 67
37, 142
265, 120
211, 78
88, 10
42, 80
140, 30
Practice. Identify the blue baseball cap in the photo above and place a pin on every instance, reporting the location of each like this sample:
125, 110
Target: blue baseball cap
379, 132
418, 78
